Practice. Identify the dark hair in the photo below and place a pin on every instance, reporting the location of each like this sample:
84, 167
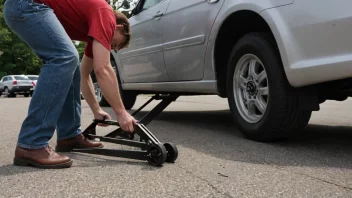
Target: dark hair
121, 19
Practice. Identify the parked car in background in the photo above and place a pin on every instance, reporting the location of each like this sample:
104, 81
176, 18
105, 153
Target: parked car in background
12, 85
275, 61
34, 79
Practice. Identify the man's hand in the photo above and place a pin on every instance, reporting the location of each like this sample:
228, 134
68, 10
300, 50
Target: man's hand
100, 114
126, 121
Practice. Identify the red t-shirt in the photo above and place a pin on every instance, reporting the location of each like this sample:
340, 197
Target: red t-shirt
84, 20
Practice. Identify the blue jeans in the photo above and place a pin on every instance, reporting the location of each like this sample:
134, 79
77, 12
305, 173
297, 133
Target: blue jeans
56, 101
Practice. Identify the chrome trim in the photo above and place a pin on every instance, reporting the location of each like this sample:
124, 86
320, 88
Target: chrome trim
196, 40
143, 51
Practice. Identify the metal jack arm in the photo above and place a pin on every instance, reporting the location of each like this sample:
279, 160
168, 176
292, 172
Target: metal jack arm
152, 150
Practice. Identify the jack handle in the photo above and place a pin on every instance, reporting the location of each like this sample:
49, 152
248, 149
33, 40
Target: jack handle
118, 132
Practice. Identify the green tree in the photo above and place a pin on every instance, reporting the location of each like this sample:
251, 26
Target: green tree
15, 55
80, 48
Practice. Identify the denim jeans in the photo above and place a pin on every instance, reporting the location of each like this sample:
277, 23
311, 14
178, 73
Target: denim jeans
56, 101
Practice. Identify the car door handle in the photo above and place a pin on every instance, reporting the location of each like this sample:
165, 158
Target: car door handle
158, 14
212, 1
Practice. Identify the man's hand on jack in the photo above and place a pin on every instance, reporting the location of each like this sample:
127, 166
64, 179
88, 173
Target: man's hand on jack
126, 121
99, 115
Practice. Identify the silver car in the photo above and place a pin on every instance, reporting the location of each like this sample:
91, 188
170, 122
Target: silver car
275, 61
34, 79
13, 85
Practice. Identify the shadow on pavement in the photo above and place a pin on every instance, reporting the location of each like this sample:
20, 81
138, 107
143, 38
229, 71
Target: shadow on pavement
213, 133
89, 160
79, 161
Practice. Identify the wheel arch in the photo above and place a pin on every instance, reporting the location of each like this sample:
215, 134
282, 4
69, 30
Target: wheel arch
231, 30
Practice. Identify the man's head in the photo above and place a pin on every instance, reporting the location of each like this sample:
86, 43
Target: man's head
122, 34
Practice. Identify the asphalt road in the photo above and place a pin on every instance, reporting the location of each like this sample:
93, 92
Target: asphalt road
215, 159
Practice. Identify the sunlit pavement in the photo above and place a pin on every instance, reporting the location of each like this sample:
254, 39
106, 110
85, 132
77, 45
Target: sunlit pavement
215, 160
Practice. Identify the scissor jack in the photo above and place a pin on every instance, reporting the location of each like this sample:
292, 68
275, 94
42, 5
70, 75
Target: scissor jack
152, 150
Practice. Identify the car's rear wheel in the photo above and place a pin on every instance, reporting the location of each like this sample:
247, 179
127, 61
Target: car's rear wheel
263, 104
8, 94
128, 97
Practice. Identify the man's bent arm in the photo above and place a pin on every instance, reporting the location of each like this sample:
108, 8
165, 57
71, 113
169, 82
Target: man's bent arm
87, 86
106, 77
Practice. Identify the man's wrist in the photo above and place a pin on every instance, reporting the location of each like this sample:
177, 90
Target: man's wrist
96, 109
120, 111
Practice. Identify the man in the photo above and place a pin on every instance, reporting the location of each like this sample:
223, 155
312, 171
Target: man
48, 27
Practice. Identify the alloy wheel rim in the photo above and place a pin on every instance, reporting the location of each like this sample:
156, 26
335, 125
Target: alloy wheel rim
251, 88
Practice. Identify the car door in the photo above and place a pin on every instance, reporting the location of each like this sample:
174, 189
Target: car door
9, 82
186, 27
143, 60
5, 82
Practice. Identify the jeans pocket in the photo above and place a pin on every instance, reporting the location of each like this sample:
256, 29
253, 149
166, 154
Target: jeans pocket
21, 10
14, 10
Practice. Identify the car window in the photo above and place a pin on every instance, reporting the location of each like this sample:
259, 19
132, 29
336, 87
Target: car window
6, 79
149, 3
21, 78
33, 77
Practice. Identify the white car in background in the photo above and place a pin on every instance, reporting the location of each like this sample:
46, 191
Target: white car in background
34, 79
12, 85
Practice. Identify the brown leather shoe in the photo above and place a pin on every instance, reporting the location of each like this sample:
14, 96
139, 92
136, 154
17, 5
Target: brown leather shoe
41, 158
76, 142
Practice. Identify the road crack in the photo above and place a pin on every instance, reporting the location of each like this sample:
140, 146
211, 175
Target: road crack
316, 178
206, 181
303, 174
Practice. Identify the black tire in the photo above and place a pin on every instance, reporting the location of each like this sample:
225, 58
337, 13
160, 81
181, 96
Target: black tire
9, 94
172, 152
128, 97
157, 154
6, 92
26, 95
282, 117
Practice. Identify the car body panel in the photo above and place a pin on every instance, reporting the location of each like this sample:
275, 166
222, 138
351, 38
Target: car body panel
229, 8
186, 27
205, 80
143, 60
314, 44
314, 40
